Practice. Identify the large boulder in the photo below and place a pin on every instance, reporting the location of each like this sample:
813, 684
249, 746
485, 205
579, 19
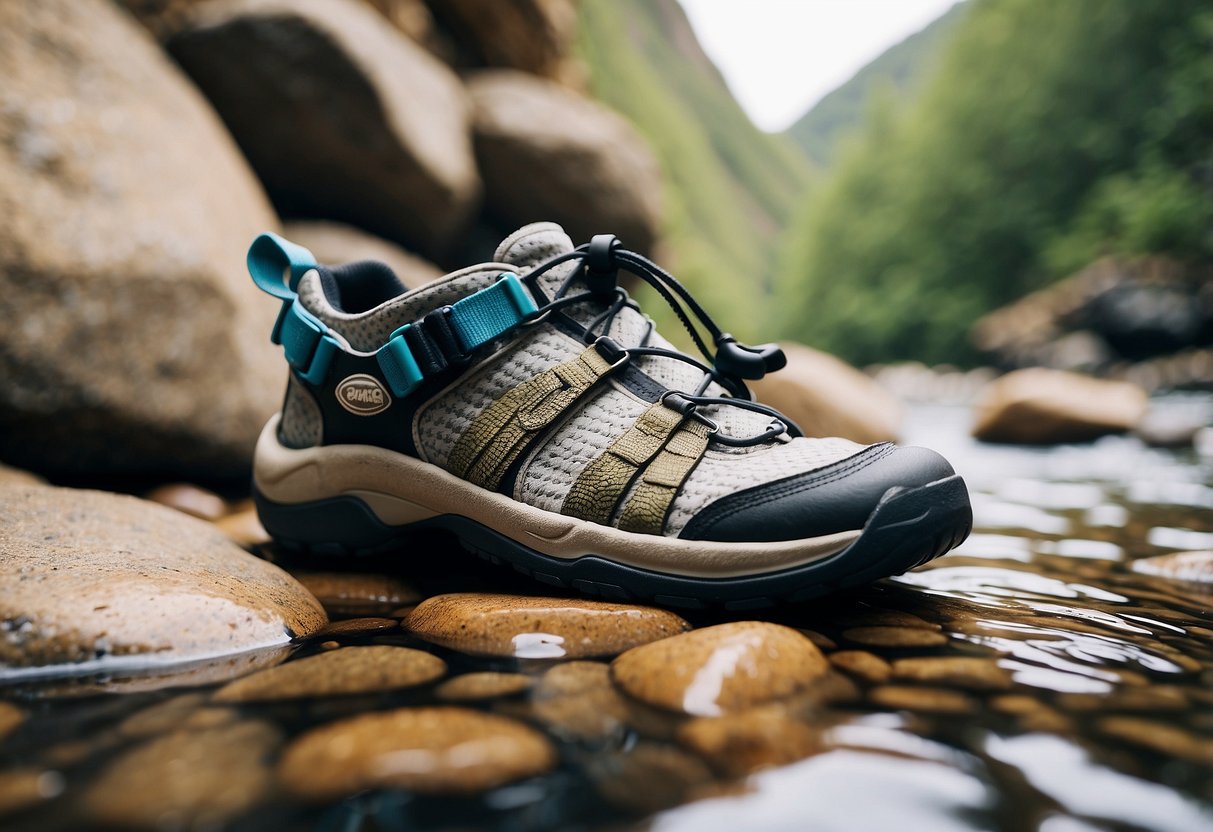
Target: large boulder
1040, 407
828, 397
549, 154
341, 116
133, 341
535, 36
98, 581
334, 243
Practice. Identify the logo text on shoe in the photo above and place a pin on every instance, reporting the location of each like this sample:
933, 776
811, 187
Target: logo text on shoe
363, 395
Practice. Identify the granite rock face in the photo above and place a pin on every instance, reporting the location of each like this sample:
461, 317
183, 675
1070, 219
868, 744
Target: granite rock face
86, 576
341, 116
133, 342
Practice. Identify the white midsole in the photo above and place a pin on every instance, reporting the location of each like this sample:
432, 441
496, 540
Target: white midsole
400, 489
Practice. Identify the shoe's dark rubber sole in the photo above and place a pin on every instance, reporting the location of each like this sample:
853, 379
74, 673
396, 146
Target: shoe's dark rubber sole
908, 528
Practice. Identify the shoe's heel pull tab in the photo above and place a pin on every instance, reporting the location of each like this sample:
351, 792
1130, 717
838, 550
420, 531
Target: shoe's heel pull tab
601, 270
745, 361
276, 265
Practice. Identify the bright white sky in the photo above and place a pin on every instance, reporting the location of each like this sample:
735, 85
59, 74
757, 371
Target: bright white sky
781, 56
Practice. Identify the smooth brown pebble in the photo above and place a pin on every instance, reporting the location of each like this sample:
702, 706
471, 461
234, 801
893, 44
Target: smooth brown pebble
471, 687
527, 627
738, 744
863, 665
358, 593
24, 788
719, 669
162, 717
875, 617
341, 672
822, 641
10, 717
970, 673
195, 501
244, 527
647, 778
1159, 737
895, 637
1187, 567
928, 700
357, 627
577, 702
199, 779
443, 750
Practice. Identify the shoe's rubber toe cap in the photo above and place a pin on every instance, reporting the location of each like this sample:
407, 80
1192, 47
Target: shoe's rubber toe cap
838, 498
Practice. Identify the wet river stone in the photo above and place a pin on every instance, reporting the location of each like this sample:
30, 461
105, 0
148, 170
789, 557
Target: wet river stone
861, 664
357, 593
444, 750
187, 779
927, 700
895, 637
348, 670
471, 687
719, 669
87, 575
23, 788
10, 717
538, 628
737, 744
966, 672
1040, 406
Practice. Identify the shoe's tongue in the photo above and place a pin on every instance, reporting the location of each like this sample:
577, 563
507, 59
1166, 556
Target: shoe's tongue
534, 244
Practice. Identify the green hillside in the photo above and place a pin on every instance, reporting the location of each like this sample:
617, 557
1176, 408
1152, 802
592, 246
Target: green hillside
729, 188
1050, 134
897, 74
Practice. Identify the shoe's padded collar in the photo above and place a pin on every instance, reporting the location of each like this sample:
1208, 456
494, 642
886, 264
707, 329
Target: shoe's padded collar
840, 496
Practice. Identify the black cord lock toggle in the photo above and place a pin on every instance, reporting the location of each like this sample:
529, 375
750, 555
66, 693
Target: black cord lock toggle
601, 270
743, 361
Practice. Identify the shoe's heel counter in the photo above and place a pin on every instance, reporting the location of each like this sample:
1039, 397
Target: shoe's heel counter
302, 422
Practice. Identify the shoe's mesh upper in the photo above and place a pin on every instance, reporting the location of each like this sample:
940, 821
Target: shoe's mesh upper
589, 428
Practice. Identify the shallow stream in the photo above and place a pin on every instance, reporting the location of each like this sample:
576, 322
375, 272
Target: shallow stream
1088, 703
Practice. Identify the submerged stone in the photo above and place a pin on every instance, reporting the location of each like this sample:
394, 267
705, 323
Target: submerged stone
719, 669
972, 673
738, 744
538, 628
648, 777
895, 637
187, 779
24, 788
349, 670
88, 576
485, 685
357, 593
863, 665
10, 717
927, 700
443, 750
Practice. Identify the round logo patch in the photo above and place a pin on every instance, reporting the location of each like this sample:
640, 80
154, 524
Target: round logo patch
363, 395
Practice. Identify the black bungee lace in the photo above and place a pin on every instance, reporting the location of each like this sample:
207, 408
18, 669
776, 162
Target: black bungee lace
601, 268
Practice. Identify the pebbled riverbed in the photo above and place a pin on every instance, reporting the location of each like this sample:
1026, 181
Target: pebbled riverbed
1051, 675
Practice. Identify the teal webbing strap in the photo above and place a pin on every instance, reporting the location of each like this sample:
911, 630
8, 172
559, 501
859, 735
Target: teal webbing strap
491, 312
475, 320
276, 266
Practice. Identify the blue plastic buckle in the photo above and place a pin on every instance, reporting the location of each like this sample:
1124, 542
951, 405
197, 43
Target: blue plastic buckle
398, 365
308, 346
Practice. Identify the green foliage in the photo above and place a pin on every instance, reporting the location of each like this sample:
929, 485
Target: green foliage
728, 187
898, 73
1050, 133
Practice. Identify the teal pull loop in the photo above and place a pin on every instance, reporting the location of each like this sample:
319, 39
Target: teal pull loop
270, 256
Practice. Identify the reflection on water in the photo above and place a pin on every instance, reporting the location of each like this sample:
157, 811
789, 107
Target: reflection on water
1049, 686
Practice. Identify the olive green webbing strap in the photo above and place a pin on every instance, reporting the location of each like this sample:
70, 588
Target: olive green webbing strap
499, 435
660, 481
607, 478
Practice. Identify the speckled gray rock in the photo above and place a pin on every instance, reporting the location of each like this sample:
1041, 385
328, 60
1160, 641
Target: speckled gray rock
577, 163
387, 140
86, 575
133, 340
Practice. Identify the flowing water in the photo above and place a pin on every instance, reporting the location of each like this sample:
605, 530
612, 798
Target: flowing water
1087, 703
